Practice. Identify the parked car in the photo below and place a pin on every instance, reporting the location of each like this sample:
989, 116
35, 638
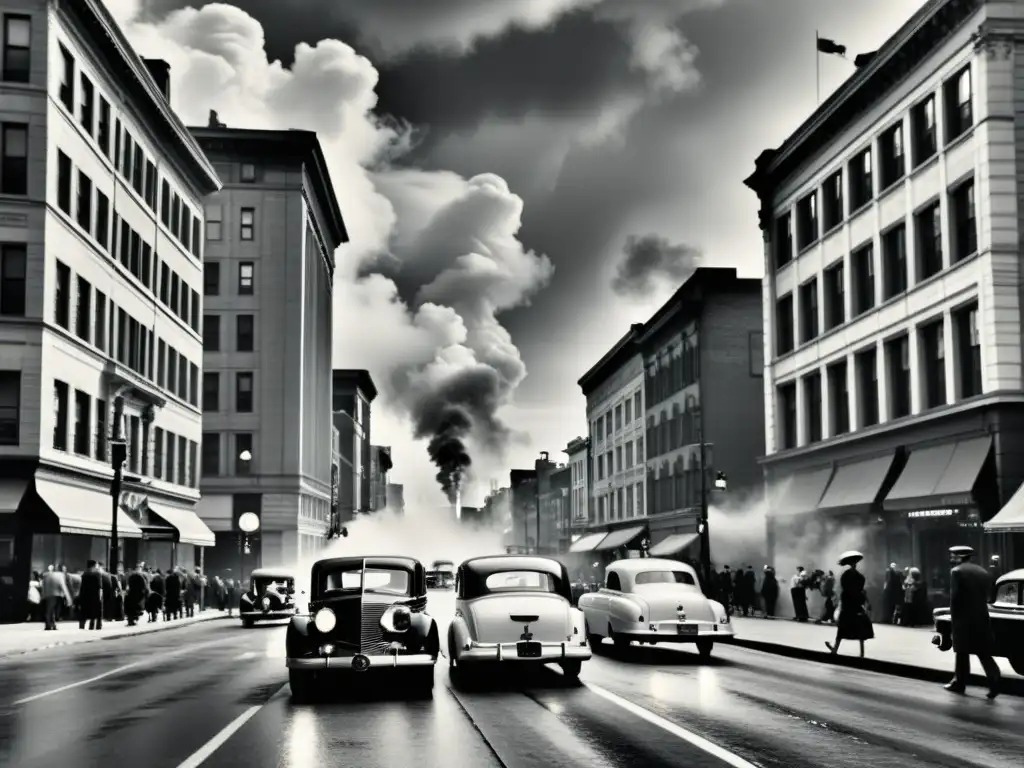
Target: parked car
441, 575
515, 609
365, 614
1006, 613
270, 596
652, 600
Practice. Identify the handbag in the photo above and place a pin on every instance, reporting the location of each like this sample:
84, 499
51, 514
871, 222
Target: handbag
835, 614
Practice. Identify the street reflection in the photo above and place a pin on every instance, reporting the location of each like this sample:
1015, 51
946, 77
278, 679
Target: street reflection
303, 747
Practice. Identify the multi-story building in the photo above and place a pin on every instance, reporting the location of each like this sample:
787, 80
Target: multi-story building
523, 509
396, 498
354, 391
891, 221
95, 277
555, 511
271, 234
694, 369
380, 465
578, 451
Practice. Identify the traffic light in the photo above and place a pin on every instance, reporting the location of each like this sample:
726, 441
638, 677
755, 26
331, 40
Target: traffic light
118, 453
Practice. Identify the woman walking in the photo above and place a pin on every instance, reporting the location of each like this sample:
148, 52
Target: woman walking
853, 622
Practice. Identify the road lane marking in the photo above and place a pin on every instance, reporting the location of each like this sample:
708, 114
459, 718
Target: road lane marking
119, 670
204, 752
668, 726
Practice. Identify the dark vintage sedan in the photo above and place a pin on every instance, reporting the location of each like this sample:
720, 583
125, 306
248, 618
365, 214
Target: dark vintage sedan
366, 614
270, 596
441, 575
1007, 615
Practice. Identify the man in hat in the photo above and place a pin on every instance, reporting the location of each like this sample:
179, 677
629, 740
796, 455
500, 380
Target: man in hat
90, 598
969, 590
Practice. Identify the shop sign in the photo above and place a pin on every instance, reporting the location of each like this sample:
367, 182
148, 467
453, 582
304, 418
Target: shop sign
925, 513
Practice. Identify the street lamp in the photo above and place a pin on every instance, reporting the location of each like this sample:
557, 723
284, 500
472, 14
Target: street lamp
248, 522
245, 455
721, 483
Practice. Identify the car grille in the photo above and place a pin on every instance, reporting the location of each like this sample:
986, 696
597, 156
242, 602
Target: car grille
371, 640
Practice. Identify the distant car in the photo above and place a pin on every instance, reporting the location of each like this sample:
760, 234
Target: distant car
270, 596
441, 575
514, 609
365, 614
651, 600
1006, 614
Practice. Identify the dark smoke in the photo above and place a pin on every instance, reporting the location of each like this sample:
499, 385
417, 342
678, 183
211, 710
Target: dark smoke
448, 451
650, 260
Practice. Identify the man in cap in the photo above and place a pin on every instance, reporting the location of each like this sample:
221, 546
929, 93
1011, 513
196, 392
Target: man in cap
972, 630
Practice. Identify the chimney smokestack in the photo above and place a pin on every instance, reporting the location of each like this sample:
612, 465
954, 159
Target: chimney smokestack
160, 71
457, 504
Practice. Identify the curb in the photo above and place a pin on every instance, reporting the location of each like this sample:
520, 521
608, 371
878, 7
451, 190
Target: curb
1011, 686
165, 627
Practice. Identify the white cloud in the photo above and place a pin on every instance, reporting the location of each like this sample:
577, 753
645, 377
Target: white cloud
456, 237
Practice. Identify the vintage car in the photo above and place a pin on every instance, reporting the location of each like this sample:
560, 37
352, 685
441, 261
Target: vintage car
270, 596
1006, 614
515, 609
441, 575
365, 614
651, 600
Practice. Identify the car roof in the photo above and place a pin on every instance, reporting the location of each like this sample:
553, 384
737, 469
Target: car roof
371, 561
1017, 575
644, 564
262, 573
498, 563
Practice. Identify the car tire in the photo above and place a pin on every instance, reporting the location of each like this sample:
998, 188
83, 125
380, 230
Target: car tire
571, 668
248, 623
423, 681
620, 642
303, 685
1017, 664
704, 648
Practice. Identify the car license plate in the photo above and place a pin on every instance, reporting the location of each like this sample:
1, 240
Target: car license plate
529, 650
686, 629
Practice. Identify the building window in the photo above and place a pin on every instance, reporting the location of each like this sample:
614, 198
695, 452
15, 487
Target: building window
83, 309
787, 415
838, 399
627, 408
17, 48
933, 359
891, 158
214, 221
866, 369
248, 223
14, 159
807, 221
832, 201
835, 295
64, 182
67, 80
897, 354
862, 187
165, 203
809, 310
10, 407
965, 227
245, 334
636, 406
783, 240
957, 100
968, 351
102, 220
87, 109
211, 333
83, 429
785, 338
211, 278
211, 392
100, 321
922, 121
62, 299
182, 473
928, 226
243, 392
13, 263
101, 430
812, 400
211, 454
243, 453
246, 271
248, 173
894, 261
193, 451
60, 415
84, 202
103, 127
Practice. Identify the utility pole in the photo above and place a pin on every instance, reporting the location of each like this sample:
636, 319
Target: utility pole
705, 534
118, 456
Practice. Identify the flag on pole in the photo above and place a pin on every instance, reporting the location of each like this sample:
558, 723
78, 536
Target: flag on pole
863, 59
830, 47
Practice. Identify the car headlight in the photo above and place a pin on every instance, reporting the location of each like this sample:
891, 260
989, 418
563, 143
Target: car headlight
723, 620
398, 618
325, 620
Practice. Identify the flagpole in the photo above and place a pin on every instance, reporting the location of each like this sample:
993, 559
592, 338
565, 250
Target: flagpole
817, 69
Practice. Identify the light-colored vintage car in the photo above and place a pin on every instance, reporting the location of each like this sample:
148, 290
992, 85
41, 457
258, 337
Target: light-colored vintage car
515, 609
651, 600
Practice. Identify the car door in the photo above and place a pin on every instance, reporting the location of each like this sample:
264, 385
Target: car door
597, 614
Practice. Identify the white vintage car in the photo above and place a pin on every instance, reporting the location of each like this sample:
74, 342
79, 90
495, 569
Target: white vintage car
515, 609
654, 601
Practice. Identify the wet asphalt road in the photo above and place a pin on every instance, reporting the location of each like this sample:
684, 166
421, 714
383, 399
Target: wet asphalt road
159, 700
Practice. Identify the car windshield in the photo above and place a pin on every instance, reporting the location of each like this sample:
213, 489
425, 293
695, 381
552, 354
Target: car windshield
1008, 593
263, 584
519, 581
384, 581
664, 577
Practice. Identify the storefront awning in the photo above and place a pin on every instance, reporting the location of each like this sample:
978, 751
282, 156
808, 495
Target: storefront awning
855, 487
619, 538
677, 542
11, 492
588, 542
84, 511
940, 476
190, 527
1009, 519
802, 493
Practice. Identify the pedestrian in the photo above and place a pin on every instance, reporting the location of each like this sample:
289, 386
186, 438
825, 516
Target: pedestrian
56, 595
798, 593
769, 592
750, 590
135, 600
725, 586
90, 597
828, 591
969, 590
155, 599
35, 598
893, 594
853, 622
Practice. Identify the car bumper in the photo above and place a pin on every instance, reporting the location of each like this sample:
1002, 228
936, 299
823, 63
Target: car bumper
506, 652
668, 632
269, 616
348, 663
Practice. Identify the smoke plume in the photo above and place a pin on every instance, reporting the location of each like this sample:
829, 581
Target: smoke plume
447, 448
650, 261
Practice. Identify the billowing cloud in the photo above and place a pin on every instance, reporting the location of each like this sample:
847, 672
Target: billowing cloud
649, 262
431, 337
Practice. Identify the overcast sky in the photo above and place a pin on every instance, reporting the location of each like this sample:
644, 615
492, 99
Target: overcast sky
522, 179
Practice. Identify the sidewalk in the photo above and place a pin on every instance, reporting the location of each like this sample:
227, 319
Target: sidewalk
18, 639
900, 651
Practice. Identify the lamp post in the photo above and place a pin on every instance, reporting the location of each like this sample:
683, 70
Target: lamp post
248, 522
721, 484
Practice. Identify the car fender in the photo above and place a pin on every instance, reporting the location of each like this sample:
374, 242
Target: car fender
578, 621
626, 609
423, 631
297, 635
718, 610
460, 634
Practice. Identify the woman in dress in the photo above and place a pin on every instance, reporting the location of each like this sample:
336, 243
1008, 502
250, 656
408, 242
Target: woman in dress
853, 622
